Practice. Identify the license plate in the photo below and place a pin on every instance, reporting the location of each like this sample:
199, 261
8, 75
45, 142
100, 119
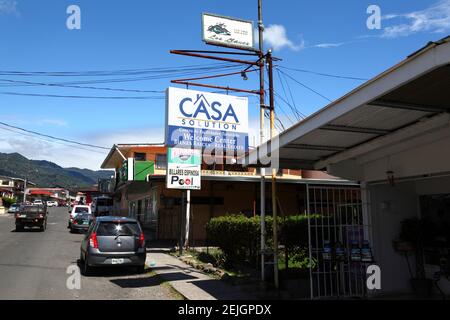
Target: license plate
117, 261
22, 216
85, 222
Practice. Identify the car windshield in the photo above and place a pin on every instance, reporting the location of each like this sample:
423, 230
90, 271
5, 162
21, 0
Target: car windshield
112, 228
81, 210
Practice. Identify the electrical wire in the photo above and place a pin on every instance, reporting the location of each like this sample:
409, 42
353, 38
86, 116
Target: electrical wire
198, 67
53, 141
306, 87
79, 97
323, 74
79, 87
294, 109
52, 137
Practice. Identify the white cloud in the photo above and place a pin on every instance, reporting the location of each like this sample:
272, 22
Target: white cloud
8, 7
52, 122
435, 19
138, 135
275, 36
329, 45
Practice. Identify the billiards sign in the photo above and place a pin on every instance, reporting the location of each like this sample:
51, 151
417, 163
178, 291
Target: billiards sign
183, 169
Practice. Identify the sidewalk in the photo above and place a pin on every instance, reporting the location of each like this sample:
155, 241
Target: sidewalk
191, 283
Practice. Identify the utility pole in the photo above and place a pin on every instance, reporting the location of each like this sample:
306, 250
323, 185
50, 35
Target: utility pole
25, 182
262, 116
274, 171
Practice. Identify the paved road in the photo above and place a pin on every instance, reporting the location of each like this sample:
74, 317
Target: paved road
33, 265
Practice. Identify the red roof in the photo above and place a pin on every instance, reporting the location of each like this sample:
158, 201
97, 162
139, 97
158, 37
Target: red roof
40, 193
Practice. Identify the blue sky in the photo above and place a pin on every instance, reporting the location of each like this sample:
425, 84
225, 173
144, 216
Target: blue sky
322, 36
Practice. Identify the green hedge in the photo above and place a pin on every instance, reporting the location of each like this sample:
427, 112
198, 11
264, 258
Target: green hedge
7, 202
239, 236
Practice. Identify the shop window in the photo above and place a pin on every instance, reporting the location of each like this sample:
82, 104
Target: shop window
161, 161
140, 156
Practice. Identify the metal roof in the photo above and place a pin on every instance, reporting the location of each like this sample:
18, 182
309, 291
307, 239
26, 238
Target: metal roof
412, 92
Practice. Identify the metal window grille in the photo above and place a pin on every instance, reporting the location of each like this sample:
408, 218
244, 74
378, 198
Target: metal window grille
337, 230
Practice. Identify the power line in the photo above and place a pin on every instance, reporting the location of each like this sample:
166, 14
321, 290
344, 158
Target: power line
79, 97
79, 87
294, 109
117, 72
305, 86
54, 138
52, 141
324, 74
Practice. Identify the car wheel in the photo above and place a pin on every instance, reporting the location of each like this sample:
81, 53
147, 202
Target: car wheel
140, 269
19, 228
87, 270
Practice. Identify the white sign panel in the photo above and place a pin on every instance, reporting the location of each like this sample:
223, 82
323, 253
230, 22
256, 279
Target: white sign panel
183, 169
201, 120
228, 32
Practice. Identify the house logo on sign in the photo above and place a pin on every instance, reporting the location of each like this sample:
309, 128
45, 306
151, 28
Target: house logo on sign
207, 115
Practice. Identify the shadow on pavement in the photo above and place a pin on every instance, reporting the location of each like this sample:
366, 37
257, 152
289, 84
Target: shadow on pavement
223, 291
151, 281
176, 276
26, 230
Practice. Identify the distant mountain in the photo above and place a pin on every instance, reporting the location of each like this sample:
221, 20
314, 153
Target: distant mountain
48, 174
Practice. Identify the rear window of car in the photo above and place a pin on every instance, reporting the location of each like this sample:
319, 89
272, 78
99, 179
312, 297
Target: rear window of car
83, 216
33, 209
81, 210
112, 228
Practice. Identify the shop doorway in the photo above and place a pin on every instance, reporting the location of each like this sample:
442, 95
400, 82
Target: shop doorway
339, 250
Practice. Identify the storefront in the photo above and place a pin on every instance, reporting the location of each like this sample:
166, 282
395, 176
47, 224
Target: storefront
392, 134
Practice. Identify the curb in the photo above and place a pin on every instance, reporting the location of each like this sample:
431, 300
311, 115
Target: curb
165, 282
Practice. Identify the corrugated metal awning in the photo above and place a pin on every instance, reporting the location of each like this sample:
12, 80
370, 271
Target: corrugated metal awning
414, 92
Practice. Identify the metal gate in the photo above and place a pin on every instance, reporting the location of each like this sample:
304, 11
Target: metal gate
339, 250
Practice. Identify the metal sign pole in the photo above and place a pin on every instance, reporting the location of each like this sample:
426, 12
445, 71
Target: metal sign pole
182, 224
187, 219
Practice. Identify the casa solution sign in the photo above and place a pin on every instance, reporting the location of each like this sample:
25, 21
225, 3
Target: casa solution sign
184, 169
202, 120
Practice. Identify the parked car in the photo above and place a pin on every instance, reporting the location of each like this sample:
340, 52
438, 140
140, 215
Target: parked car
38, 202
81, 222
113, 241
52, 203
76, 210
31, 217
102, 206
14, 208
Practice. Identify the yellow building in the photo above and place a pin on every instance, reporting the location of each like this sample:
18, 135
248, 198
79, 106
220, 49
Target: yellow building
226, 189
